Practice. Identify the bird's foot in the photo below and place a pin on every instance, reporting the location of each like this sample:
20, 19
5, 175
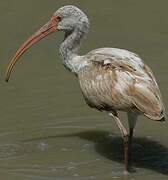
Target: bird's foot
129, 171
126, 172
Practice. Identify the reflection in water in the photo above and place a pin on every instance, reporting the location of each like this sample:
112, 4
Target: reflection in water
147, 153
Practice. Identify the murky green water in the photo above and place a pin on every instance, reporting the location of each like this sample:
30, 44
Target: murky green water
46, 130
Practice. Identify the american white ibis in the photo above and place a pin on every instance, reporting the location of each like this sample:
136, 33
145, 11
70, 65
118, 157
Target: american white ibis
111, 79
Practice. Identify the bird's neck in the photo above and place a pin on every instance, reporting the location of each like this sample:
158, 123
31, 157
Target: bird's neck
69, 49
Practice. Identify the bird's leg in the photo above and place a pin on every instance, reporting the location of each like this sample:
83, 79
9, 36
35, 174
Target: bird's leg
125, 136
132, 119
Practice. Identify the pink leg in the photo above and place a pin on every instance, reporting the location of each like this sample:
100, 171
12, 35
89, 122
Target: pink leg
125, 136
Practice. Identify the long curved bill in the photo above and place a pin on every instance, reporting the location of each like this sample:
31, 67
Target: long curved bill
45, 30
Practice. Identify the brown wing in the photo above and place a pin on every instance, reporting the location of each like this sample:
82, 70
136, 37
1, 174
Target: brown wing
147, 97
105, 83
122, 86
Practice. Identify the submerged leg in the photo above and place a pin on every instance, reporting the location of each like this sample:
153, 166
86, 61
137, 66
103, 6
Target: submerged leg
132, 119
125, 136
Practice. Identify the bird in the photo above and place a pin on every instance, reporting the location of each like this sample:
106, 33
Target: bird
111, 79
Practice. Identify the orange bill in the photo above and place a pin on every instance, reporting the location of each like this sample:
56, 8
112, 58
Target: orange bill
45, 30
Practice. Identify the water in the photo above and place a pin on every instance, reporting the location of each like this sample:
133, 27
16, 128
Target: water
46, 130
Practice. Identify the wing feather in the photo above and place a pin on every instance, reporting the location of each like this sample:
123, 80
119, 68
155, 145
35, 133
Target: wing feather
147, 97
123, 84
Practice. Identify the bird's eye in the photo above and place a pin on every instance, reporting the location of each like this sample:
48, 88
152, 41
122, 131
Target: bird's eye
59, 18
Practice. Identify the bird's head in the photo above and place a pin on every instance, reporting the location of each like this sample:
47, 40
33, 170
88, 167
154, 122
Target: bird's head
70, 17
66, 19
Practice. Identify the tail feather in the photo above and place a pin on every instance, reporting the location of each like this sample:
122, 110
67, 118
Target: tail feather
163, 119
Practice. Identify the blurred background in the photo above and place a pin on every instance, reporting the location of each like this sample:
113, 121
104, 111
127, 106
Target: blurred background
46, 130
